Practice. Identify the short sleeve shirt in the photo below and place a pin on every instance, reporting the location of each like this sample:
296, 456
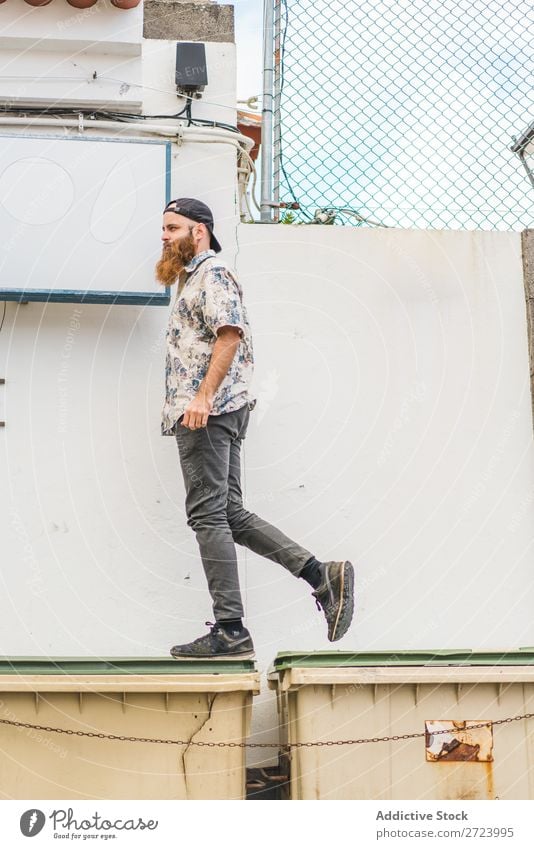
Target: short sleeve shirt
210, 298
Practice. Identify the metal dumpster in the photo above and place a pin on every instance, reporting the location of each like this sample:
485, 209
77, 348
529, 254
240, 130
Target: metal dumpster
438, 696
207, 701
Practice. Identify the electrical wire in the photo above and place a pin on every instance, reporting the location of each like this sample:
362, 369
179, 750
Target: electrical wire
104, 117
121, 117
96, 113
94, 78
350, 212
168, 91
205, 122
124, 117
243, 182
252, 170
3, 316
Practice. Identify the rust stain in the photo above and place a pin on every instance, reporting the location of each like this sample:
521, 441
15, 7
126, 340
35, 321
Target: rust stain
490, 785
459, 752
450, 740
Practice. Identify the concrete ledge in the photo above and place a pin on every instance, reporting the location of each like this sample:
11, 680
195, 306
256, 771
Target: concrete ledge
176, 683
292, 679
176, 21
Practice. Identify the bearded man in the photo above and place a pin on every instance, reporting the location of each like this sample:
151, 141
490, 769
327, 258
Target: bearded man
208, 401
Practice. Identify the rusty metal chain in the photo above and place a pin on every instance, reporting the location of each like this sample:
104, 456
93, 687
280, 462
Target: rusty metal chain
241, 745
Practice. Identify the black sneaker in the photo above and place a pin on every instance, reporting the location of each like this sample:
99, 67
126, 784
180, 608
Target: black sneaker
335, 597
217, 644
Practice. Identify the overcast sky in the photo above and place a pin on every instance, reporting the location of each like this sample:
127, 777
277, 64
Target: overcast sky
248, 25
402, 111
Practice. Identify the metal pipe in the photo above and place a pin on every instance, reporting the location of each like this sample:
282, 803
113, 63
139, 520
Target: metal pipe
267, 114
195, 134
525, 166
276, 110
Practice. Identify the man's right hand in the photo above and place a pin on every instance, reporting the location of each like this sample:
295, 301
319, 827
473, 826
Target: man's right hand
197, 412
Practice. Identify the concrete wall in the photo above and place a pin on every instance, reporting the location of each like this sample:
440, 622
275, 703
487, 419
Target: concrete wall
59, 55
393, 427
186, 21
51, 53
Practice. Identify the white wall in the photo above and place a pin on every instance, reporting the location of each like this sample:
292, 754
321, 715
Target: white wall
396, 431
393, 428
57, 54
79, 377
200, 168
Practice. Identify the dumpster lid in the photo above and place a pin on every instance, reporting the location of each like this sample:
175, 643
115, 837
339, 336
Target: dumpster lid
120, 666
417, 657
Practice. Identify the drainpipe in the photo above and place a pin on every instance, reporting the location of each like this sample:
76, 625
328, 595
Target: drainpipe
267, 114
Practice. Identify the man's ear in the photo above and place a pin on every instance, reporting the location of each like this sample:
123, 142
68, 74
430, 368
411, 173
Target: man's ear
198, 231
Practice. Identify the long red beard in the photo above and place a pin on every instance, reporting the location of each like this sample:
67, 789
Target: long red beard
175, 256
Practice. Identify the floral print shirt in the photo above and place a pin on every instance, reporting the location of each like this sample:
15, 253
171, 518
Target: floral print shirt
208, 299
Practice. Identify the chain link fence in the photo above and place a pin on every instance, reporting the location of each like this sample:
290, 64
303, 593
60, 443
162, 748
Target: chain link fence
403, 113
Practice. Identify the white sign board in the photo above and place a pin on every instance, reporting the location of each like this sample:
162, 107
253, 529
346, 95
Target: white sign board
80, 218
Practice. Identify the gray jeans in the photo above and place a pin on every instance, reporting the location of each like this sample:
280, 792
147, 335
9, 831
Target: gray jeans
210, 458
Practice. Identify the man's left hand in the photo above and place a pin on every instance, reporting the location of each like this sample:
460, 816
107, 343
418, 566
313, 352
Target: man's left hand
197, 411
